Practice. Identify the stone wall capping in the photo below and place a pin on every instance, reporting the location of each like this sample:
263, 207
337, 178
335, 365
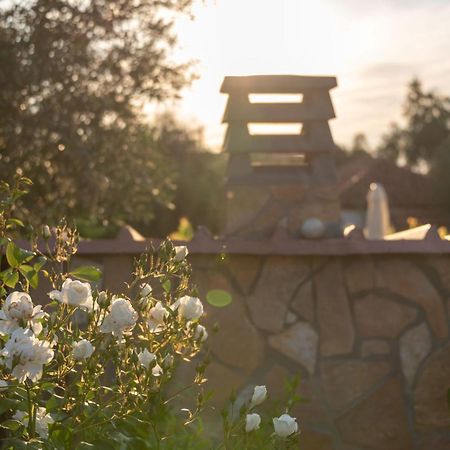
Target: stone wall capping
281, 233
203, 235
205, 243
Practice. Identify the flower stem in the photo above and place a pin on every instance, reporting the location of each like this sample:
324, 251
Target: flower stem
31, 412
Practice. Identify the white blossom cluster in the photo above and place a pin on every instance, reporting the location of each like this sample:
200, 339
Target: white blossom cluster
30, 339
29, 347
24, 354
284, 426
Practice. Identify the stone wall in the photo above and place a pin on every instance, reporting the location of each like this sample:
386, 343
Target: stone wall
368, 334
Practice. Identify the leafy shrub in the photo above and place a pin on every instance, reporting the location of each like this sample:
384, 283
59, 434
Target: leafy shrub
90, 369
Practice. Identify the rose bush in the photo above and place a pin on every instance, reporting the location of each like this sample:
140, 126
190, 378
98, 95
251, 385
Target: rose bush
90, 369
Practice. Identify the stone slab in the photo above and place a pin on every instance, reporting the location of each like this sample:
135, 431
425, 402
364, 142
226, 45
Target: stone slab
360, 274
244, 270
404, 278
430, 394
312, 440
235, 328
346, 381
304, 303
379, 422
336, 328
371, 347
415, 345
299, 343
268, 304
380, 317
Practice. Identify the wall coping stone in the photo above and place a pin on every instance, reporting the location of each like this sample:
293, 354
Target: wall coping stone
204, 243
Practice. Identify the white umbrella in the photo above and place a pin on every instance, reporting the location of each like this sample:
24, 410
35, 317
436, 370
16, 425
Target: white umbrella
377, 217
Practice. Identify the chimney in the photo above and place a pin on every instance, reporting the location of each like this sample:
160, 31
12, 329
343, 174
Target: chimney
280, 179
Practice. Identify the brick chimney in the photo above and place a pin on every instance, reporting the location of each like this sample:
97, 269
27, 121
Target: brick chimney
280, 179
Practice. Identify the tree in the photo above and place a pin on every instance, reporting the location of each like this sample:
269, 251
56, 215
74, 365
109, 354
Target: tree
427, 127
198, 176
74, 75
425, 138
360, 146
358, 149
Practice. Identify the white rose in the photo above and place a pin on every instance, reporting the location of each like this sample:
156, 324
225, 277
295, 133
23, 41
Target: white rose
121, 318
200, 333
25, 355
145, 358
43, 420
75, 293
82, 350
285, 425
181, 251
157, 371
19, 306
157, 314
252, 422
259, 395
18, 311
190, 308
146, 290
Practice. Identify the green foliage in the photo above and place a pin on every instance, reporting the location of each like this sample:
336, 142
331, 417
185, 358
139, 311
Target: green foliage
427, 128
439, 172
74, 77
86, 273
95, 370
23, 265
198, 181
424, 140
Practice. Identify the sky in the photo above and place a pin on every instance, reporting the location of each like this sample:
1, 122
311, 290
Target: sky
374, 48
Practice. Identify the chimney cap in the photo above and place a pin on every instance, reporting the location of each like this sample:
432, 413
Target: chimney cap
276, 84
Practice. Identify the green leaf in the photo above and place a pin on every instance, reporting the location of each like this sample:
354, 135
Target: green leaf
10, 278
30, 274
219, 298
47, 385
8, 403
16, 444
12, 254
167, 285
87, 273
26, 180
40, 263
17, 256
54, 403
17, 222
11, 424
85, 445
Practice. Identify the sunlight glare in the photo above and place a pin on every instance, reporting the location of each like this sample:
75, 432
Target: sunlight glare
275, 98
256, 129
